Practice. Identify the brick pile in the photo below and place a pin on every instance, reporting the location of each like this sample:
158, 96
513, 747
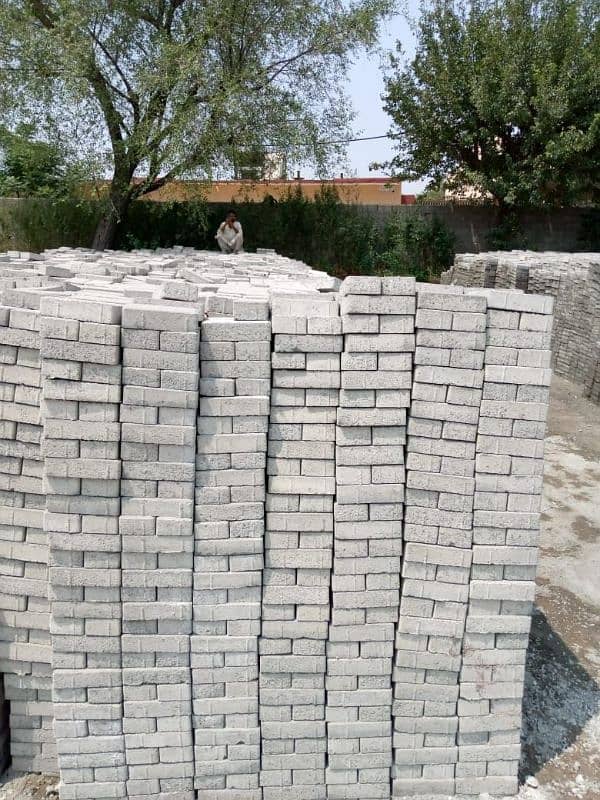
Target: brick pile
307, 344
228, 545
507, 500
25, 647
158, 431
470, 269
378, 323
592, 382
262, 538
572, 279
81, 377
442, 428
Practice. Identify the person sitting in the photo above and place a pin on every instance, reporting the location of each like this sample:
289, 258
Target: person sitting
230, 235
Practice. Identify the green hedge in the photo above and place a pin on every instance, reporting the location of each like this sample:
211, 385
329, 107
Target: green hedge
38, 224
328, 235
342, 239
324, 233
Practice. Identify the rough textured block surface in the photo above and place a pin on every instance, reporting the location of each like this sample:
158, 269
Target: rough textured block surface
264, 535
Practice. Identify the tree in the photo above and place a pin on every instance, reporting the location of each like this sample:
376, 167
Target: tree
31, 167
172, 88
502, 96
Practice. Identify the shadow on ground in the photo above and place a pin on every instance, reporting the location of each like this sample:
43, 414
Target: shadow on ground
560, 699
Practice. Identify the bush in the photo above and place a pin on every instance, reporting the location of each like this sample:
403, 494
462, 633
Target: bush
508, 234
38, 224
323, 232
417, 245
152, 225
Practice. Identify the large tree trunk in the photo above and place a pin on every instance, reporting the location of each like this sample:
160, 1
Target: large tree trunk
118, 203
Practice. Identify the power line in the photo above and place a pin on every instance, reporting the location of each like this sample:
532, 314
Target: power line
359, 139
342, 141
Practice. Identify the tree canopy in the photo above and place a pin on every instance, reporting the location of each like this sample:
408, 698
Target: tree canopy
502, 96
32, 167
157, 89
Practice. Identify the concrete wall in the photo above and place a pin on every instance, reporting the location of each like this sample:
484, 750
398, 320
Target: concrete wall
560, 229
292, 544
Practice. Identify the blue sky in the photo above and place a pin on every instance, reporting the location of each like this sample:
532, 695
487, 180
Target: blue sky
365, 86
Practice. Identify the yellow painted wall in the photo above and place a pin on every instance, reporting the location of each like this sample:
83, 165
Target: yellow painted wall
365, 192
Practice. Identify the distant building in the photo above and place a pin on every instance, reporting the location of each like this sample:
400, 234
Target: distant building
275, 167
357, 191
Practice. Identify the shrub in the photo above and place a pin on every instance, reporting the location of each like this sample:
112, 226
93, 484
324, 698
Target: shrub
508, 234
324, 232
415, 244
38, 224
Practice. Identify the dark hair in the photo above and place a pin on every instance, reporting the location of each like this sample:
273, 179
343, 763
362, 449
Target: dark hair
231, 211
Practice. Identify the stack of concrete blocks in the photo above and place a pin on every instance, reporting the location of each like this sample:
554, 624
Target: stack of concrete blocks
4, 731
506, 275
543, 279
508, 485
592, 381
570, 279
574, 352
158, 418
258, 586
378, 324
233, 419
472, 270
298, 546
25, 648
81, 389
442, 430
512, 274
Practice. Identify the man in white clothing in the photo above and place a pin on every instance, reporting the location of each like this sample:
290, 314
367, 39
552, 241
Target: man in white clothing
230, 235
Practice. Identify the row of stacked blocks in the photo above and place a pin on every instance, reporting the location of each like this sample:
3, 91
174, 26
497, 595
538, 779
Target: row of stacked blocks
25, 649
229, 534
287, 551
572, 279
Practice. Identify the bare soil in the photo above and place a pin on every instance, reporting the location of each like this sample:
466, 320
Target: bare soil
561, 731
27, 787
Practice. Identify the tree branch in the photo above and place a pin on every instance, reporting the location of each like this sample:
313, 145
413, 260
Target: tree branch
41, 12
153, 182
100, 85
131, 96
173, 8
93, 74
281, 65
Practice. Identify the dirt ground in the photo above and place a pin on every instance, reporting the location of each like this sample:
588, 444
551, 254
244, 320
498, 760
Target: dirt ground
561, 732
27, 787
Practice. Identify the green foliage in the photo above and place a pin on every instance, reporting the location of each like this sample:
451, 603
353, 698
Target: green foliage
152, 225
176, 87
414, 244
503, 96
508, 234
589, 233
38, 224
30, 167
431, 194
324, 232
